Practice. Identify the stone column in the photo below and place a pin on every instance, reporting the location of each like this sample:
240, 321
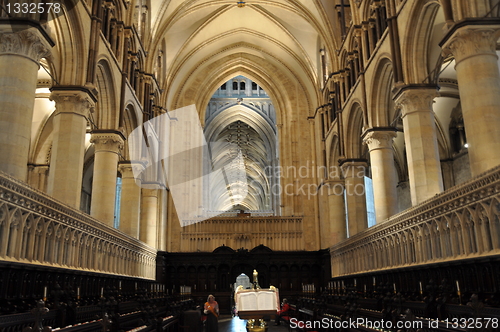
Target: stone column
149, 216
336, 211
424, 167
130, 207
20, 55
107, 147
383, 173
354, 172
68, 147
474, 48
37, 177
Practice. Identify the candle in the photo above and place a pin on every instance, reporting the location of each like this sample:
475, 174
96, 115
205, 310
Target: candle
78, 292
355, 282
102, 291
45, 293
373, 281
136, 285
365, 287
421, 290
394, 288
120, 285
458, 288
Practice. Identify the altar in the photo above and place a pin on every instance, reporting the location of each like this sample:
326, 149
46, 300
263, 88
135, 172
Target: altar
255, 304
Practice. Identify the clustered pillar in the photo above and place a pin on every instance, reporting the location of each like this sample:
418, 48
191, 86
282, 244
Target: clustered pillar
130, 211
20, 55
336, 210
383, 172
68, 149
149, 215
354, 174
424, 167
107, 147
476, 64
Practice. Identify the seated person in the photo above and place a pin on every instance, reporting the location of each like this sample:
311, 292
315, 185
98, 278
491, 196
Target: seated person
283, 313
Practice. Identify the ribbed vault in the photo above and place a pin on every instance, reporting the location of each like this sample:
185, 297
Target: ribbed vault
274, 43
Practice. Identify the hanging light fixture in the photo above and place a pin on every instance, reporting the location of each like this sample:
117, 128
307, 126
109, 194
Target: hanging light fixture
241, 4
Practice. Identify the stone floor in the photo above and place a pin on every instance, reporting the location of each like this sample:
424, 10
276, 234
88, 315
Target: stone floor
235, 324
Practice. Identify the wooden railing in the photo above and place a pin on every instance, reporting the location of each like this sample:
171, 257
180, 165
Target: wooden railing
37, 229
463, 222
278, 233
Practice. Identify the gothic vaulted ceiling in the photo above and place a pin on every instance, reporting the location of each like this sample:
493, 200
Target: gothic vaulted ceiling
222, 39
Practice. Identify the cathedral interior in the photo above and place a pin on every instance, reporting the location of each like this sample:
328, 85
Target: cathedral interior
152, 151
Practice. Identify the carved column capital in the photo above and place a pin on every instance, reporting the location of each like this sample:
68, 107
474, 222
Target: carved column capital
354, 168
77, 102
335, 187
415, 100
107, 142
130, 169
28, 43
469, 41
377, 140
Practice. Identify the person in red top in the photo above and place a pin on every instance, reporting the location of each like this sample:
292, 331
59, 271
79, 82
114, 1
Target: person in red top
283, 313
212, 312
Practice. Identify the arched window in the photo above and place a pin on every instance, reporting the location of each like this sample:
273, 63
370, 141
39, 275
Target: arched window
254, 86
235, 86
223, 87
116, 223
242, 86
